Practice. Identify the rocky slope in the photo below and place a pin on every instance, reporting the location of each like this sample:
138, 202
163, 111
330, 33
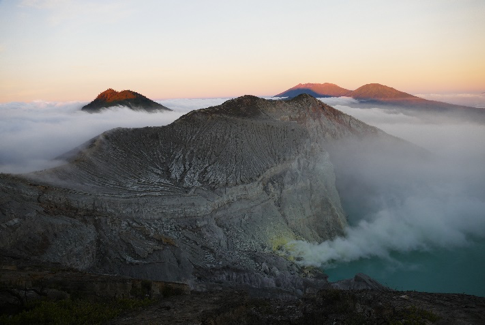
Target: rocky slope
325, 307
128, 98
208, 200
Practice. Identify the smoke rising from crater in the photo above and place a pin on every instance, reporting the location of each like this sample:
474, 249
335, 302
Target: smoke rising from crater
403, 204
33, 134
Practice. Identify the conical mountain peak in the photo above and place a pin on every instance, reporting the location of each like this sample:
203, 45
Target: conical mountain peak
378, 91
316, 90
128, 98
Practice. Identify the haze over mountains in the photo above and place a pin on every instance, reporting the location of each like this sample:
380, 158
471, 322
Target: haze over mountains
128, 98
377, 95
369, 91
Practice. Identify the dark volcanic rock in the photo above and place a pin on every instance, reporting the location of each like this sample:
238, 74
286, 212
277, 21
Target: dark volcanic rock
128, 98
208, 200
325, 307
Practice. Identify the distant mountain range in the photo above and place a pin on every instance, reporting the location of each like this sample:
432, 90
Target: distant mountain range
128, 98
377, 95
372, 91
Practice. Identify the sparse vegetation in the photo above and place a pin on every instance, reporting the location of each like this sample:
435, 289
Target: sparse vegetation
415, 316
327, 307
76, 311
169, 291
354, 308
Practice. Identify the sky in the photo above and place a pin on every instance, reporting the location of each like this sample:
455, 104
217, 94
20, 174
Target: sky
68, 50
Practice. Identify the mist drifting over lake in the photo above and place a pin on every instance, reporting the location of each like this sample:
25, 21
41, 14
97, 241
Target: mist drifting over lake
406, 215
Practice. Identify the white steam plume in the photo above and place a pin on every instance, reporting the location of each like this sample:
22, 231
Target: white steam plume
401, 205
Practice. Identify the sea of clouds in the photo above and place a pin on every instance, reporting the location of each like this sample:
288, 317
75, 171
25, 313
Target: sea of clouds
33, 134
404, 205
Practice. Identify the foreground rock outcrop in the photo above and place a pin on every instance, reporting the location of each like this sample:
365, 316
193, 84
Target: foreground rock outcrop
208, 200
325, 307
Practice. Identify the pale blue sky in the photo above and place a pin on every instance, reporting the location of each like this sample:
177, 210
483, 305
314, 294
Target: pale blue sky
72, 50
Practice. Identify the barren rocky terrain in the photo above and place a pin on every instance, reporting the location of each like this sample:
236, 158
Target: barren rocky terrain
324, 307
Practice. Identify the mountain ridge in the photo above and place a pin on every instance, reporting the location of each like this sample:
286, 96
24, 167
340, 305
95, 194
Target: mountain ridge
379, 91
315, 89
378, 95
374, 91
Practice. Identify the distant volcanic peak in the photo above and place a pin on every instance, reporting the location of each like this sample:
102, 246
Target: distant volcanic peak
314, 85
111, 95
327, 89
378, 91
128, 98
317, 85
316, 89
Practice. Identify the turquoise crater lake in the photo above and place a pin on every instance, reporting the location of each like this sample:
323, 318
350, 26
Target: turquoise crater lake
457, 270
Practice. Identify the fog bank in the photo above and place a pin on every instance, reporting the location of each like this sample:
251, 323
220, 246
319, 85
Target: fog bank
33, 134
397, 204
466, 99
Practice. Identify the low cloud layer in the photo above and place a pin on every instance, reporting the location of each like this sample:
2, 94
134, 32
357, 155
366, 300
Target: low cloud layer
397, 204
465, 99
472, 100
33, 134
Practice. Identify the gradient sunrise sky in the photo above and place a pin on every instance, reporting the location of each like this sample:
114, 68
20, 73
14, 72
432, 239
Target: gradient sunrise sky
62, 50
